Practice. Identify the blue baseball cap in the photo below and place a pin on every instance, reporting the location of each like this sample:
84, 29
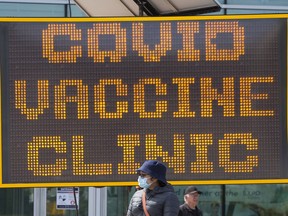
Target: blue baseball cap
155, 169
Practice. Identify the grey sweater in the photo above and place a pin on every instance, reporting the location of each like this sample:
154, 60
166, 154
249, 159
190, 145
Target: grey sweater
162, 201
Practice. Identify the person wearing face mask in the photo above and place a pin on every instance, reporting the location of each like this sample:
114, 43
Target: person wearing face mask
157, 198
191, 199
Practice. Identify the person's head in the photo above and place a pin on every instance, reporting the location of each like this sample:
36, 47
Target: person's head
191, 196
152, 173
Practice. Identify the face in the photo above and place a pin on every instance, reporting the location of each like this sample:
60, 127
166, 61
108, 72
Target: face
145, 175
192, 199
150, 179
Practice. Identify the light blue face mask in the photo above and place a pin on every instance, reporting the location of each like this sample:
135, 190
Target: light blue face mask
142, 182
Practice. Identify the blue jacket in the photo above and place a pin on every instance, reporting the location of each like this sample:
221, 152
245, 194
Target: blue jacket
162, 201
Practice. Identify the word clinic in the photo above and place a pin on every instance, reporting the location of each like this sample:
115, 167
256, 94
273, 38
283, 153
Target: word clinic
186, 32
129, 142
226, 98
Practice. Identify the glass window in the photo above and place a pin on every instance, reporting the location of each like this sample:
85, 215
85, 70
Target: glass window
31, 10
53, 211
76, 11
256, 3
118, 199
254, 200
16, 202
39, 10
246, 11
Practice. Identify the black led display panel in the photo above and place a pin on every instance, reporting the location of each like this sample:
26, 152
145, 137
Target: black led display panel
87, 102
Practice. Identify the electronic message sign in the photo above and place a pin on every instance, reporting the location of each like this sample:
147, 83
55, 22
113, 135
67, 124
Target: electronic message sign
85, 102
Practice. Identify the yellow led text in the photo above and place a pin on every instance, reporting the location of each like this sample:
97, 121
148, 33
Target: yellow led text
225, 98
128, 144
148, 52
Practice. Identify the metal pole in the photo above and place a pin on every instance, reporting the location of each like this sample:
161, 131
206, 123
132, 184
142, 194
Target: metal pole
40, 199
97, 202
141, 9
223, 200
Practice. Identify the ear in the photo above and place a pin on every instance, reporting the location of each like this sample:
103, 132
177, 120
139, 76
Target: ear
185, 197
